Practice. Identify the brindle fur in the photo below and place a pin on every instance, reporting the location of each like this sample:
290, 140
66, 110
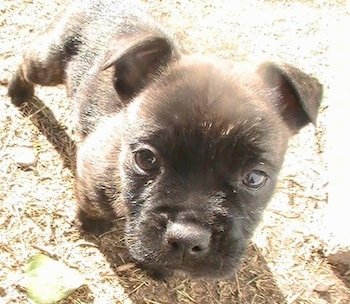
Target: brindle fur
211, 124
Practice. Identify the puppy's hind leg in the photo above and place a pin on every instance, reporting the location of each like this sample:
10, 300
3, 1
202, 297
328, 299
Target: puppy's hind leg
45, 60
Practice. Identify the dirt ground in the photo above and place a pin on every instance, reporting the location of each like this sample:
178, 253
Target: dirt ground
284, 264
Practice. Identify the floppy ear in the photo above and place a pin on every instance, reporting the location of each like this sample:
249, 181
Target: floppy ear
296, 94
136, 61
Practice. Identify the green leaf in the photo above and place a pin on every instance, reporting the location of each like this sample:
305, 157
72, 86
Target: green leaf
48, 281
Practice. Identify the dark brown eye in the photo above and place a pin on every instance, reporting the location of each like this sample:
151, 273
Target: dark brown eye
146, 161
255, 179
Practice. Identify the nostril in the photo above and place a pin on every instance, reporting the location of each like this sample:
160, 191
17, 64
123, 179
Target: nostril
174, 245
196, 249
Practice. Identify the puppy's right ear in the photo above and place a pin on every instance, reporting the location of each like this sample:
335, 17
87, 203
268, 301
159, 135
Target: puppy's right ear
137, 61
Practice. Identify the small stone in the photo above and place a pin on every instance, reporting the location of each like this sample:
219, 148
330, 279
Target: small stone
4, 81
319, 287
24, 156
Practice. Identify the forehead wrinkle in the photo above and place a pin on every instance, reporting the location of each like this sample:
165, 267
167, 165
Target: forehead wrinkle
199, 121
208, 140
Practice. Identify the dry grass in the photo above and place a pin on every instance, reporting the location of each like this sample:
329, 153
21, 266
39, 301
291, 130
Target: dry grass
285, 264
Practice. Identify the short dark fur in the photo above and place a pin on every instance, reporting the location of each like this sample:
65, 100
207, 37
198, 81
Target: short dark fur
187, 149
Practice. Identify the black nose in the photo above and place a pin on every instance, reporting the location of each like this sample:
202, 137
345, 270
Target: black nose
187, 240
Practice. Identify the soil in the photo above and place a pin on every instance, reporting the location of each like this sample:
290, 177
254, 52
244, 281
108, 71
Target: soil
285, 262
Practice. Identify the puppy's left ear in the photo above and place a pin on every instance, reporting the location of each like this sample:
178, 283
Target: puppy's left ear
296, 94
136, 61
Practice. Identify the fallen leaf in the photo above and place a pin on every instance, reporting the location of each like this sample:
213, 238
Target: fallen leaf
48, 281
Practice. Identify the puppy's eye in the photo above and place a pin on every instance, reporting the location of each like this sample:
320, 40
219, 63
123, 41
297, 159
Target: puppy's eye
146, 161
255, 180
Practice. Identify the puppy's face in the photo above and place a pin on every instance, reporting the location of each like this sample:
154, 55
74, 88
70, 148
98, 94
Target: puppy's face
199, 160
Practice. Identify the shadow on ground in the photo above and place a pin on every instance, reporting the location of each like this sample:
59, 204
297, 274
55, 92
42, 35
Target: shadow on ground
44, 119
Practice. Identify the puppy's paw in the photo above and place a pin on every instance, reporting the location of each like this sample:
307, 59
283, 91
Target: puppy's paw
93, 225
19, 90
157, 273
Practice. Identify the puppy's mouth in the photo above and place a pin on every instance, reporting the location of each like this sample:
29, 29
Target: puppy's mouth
210, 264
186, 247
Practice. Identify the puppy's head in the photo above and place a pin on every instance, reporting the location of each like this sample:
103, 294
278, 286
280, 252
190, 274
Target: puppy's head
201, 147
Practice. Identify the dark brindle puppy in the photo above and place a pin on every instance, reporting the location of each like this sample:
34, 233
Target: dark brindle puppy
187, 149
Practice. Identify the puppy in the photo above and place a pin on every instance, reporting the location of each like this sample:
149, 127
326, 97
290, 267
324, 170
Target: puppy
187, 149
